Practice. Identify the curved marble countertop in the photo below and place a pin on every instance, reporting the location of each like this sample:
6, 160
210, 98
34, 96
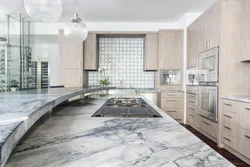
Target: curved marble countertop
245, 99
95, 142
20, 110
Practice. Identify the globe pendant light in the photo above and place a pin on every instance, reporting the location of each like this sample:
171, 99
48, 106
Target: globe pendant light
44, 10
76, 30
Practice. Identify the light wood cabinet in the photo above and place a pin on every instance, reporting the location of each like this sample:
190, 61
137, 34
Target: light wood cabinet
70, 62
171, 49
203, 34
236, 127
208, 127
193, 44
151, 52
90, 53
172, 104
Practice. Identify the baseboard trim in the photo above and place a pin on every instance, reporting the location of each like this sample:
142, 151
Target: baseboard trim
237, 154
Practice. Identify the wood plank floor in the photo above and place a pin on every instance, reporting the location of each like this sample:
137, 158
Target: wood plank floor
230, 157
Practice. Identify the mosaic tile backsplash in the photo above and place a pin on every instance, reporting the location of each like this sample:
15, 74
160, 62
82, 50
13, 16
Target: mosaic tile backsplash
123, 60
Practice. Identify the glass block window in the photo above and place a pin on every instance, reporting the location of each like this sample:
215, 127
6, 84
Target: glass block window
122, 57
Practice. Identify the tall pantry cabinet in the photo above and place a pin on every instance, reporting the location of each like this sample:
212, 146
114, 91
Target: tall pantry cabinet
70, 62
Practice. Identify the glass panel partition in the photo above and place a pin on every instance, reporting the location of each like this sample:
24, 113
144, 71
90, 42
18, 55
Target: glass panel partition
15, 54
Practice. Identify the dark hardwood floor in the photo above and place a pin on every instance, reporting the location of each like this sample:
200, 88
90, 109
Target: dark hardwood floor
230, 157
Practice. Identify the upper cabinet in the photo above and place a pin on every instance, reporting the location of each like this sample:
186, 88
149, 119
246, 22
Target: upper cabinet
203, 34
210, 28
192, 49
151, 52
90, 52
171, 49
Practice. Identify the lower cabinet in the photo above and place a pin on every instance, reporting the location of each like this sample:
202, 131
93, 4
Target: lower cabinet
236, 127
172, 104
209, 127
193, 118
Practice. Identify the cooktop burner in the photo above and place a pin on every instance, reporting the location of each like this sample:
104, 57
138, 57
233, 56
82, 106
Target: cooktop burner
126, 107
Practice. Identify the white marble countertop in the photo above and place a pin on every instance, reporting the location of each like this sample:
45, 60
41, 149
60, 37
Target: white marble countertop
73, 138
245, 99
20, 110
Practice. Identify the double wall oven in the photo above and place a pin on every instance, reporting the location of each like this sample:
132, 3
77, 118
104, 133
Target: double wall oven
208, 79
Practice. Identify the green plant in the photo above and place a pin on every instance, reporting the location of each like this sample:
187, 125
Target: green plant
105, 82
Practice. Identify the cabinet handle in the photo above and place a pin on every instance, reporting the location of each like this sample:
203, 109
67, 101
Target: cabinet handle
171, 111
206, 123
191, 109
227, 104
227, 116
227, 127
191, 115
247, 136
247, 108
227, 139
171, 100
190, 101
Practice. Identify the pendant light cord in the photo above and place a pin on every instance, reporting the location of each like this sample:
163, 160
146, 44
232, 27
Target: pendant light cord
76, 6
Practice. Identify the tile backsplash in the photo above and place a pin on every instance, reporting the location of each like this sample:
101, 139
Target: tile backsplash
123, 59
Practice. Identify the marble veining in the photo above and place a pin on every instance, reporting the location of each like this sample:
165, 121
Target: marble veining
245, 99
20, 110
72, 138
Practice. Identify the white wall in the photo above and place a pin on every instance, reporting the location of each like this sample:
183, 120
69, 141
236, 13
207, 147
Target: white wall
52, 28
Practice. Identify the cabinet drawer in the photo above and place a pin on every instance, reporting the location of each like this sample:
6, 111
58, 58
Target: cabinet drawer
191, 118
229, 141
191, 109
172, 103
191, 96
171, 95
208, 126
174, 113
243, 115
229, 106
229, 119
243, 142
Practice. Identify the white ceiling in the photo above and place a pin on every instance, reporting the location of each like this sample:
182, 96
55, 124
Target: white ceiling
120, 10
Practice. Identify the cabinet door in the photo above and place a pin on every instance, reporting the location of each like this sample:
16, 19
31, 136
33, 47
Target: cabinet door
151, 52
171, 49
214, 17
90, 52
190, 45
70, 62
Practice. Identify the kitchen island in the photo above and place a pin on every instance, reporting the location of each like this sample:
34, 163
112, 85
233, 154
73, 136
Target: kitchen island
71, 137
20, 110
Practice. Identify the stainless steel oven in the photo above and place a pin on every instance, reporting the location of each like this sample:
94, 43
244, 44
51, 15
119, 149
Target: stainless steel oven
208, 102
208, 69
209, 65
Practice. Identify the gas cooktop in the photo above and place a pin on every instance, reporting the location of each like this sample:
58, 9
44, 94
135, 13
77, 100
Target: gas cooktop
126, 107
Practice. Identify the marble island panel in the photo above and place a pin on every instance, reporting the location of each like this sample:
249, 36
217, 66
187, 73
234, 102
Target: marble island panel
71, 138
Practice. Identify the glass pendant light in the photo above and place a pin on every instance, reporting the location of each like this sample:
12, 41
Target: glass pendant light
44, 10
76, 30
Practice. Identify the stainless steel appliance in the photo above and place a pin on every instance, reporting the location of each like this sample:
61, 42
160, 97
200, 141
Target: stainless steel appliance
208, 102
208, 84
170, 77
126, 107
209, 66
